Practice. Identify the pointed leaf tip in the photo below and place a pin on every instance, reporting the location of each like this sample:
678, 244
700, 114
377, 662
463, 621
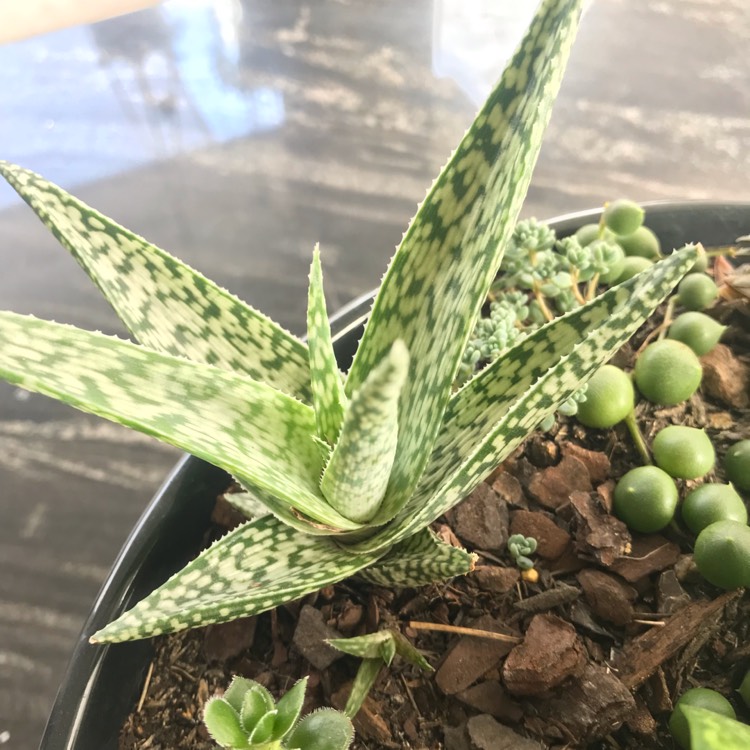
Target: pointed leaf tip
356, 478
326, 383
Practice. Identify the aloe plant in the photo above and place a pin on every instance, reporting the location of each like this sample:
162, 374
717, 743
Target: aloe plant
342, 476
247, 717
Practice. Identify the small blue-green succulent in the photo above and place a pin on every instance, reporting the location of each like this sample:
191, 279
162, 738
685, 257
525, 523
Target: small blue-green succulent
246, 717
520, 547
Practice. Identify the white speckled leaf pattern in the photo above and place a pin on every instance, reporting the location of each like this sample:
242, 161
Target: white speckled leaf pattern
379, 645
327, 387
165, 304
365, 678
254, 568
356, 477
710, 730
441, 273
419, 560
253, 503
466, 462
258, 434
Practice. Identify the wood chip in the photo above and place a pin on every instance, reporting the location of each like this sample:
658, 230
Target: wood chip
642, 656
552, 487
561, 594
649, 554
598, 534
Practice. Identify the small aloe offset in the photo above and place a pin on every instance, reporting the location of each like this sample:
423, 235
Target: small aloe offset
376, 651
246, 717
341, 475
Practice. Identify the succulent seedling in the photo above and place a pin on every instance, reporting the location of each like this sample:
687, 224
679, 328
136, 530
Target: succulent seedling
247, 717
520, 547
376, 651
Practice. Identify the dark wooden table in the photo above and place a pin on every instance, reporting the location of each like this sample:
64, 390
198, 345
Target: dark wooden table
238, 134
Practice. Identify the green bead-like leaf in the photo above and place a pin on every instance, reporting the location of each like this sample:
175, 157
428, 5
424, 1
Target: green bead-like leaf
442, 271
356, 477
223, 724
252, 569
165, 304
289, 708
327, 386
419, 560
712, 731
325, 729
236, 423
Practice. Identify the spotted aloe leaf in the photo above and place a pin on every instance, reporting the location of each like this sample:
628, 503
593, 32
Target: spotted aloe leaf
356, 477
236, 423
450, 254
165, 304
256, 567
365, 678
254, 503
418, 560
713, 731
376, 650
538, 373
327, 387
382, 645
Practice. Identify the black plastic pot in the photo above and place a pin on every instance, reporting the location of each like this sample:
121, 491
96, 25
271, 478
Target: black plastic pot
102, 683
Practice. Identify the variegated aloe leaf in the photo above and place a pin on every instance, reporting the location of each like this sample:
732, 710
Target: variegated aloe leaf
713, 731
356, 477
254, 503
448, 257
254, 568
382, 645
467, 455
165, 304
418, 560
365, 678
327, 387
260, 435
376, 650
